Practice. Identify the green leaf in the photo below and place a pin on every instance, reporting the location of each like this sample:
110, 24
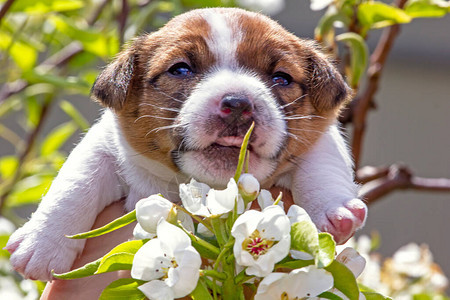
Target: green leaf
3, 240
120, 258
426, 8
8, 166
76, 116
123, 289
371, 294
359, 56
243, 152
57, 137
201, 292
69, 84
116, 224
344, 280
99, 43
325, 26
329, 295
206, 250
84, 271
294, 263
45, 6
327, 249
304, 237
376, 14
24, 55
29, 190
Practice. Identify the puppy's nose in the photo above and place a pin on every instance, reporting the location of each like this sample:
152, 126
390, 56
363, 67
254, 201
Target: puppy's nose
236, 108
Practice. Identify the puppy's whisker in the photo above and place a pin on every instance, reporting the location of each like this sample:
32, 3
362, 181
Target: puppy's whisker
169, 96
152, 116
299, 117
164, 128
159, 107
305, 130
290, 103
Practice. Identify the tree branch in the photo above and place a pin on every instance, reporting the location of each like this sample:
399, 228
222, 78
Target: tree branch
360, 106
5, 8
384, 180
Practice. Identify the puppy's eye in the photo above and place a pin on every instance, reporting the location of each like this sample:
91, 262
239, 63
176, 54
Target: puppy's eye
281, 79
181, 69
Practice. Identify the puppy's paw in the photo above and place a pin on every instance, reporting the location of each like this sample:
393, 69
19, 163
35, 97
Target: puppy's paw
36, 250
343, 220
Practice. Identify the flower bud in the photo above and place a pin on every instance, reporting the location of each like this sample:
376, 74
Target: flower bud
150, 210
248, 187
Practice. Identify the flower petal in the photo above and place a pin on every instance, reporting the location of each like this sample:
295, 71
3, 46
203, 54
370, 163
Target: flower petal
275, 224
265, 199
185, 220
171, 237
149, 261
193, 197
150, 210
220, 202
140, 234
246, 223
314, 281
352, 260
157, 290
297, 214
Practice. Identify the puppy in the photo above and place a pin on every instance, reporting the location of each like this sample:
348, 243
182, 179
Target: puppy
178, 102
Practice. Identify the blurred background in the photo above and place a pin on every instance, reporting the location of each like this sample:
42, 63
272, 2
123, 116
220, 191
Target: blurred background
52, 50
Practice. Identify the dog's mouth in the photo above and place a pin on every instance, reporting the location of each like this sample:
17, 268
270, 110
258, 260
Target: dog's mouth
227, 147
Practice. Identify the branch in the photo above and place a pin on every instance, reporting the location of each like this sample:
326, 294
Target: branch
122, 20
5, 8
360, 106
388, 179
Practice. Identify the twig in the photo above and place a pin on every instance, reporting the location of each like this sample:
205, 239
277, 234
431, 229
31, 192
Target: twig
362, 104
5, 8
399, 177
122, 20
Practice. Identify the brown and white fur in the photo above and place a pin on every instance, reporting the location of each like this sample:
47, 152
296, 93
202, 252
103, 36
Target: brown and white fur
178, 102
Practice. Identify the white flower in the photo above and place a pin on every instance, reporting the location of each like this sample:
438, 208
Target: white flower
298, 284
262, 239
200, 199
150, 210
297, 214
169, 263
352, 260
270, 7
319, 4
265, 199
248, 186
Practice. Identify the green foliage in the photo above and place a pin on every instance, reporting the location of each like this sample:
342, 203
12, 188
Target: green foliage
123, 289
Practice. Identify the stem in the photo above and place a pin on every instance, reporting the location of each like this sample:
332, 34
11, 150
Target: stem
5, 8
202, 243
196, 218
214, 274
243, 152
219, 229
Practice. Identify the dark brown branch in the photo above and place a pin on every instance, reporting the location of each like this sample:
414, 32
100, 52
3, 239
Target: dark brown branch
397, 177
5, 8
122, 18
362, 104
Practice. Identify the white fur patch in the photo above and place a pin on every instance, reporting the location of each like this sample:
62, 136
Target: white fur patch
223, 39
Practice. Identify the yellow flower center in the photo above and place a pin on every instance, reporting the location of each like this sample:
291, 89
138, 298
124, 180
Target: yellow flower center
256, 245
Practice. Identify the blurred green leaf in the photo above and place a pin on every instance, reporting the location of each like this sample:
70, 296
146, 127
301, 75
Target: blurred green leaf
376, 14
33, 110
201, 291
24, 55
99, 43
76, 116
426, 8
8, 166
67, 83
57, 137
29, 190
359, 56
125, 288
45, 6
3, 240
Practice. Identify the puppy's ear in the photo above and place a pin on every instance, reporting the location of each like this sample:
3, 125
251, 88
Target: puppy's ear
112, 85
326, 87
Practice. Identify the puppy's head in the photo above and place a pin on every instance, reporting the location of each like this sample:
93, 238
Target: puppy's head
186, 94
